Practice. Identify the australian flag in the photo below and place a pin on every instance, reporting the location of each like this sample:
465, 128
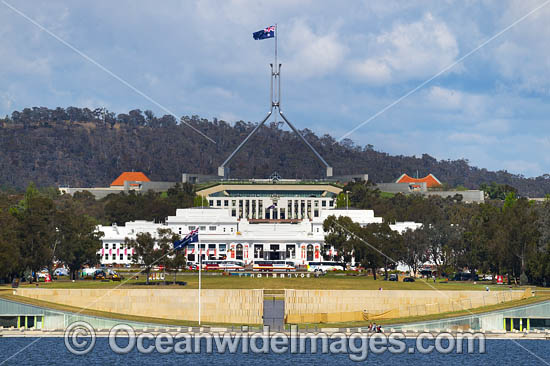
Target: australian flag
269, 32
192, 237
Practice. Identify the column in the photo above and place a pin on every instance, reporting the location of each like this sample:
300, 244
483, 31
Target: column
262, 215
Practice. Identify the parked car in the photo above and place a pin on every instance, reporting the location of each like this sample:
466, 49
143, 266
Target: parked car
393, 277
408, 279
99, 275
61, 272
464, 276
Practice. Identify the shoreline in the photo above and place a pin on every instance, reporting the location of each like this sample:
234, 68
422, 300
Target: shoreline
207, 333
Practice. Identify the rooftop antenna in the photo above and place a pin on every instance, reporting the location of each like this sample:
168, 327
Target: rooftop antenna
275, 101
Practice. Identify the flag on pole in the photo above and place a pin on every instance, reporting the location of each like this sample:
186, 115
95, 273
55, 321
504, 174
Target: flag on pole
192, 237
268, 32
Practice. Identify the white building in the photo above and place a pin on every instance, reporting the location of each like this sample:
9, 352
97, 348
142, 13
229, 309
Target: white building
249, 222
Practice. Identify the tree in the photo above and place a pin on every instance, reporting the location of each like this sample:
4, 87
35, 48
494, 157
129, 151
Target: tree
10, 257
178, 262
78, 241
36, 230
365, 244
165, 241
416, 248
145, 252
521, 224
340, 235
389, 245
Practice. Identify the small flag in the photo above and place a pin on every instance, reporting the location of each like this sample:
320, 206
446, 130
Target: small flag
273, 206
192, 237
269, 32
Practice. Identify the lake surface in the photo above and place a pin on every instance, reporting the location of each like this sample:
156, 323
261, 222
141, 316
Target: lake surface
52, 351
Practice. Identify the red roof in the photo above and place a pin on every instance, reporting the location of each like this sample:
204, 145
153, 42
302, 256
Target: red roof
130, 176
430, 180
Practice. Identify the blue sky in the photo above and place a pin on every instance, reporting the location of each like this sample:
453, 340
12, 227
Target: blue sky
343, 61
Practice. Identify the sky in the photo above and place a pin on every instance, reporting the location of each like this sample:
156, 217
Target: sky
453, 79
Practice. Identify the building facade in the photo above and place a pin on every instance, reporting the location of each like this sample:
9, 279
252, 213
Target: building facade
224, 235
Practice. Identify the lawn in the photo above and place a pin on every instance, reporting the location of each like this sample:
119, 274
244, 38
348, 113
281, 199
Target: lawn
328, 282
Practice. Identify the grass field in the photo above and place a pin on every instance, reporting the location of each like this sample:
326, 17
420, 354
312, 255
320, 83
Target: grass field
328, 282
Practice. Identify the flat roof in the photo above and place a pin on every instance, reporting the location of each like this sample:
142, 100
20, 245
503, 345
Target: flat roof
268, 189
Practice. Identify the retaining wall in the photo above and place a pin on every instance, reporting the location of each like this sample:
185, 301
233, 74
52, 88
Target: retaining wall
218, 306
313, 306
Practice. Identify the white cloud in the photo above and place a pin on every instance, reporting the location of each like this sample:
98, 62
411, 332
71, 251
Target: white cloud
446, 98
522, 55
312, 53
409, 51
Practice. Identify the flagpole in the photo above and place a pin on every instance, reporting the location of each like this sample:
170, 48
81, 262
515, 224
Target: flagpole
200, 273
276, 66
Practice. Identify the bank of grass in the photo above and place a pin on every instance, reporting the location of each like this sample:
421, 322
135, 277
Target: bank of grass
425, 318
328, 282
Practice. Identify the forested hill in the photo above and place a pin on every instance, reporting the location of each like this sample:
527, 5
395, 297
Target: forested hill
81, 147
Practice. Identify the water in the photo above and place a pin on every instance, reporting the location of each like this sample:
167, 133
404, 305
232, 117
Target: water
52, 351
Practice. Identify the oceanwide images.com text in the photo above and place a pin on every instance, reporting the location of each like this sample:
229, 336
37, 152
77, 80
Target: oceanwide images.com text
80, 339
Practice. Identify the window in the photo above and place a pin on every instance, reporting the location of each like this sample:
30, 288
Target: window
179, 230
106, 257
324, 203
121, 256
331, 203
211, 246
202, 228
224, 230
258, 251
309, 252
290, 251
239, 252
226, 203
212, 228
233, 203
191, 247
233, 212
223, 247
231, 229
129, 257
218, 203
316, 213
211, 202
106, 245
114, 257
191, 228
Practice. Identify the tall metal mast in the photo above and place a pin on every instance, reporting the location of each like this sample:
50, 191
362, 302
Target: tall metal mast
275, 100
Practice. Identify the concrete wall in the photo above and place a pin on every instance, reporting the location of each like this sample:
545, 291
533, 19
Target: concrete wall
402, 187
218, 306
246, 306
306, 305
467, 196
